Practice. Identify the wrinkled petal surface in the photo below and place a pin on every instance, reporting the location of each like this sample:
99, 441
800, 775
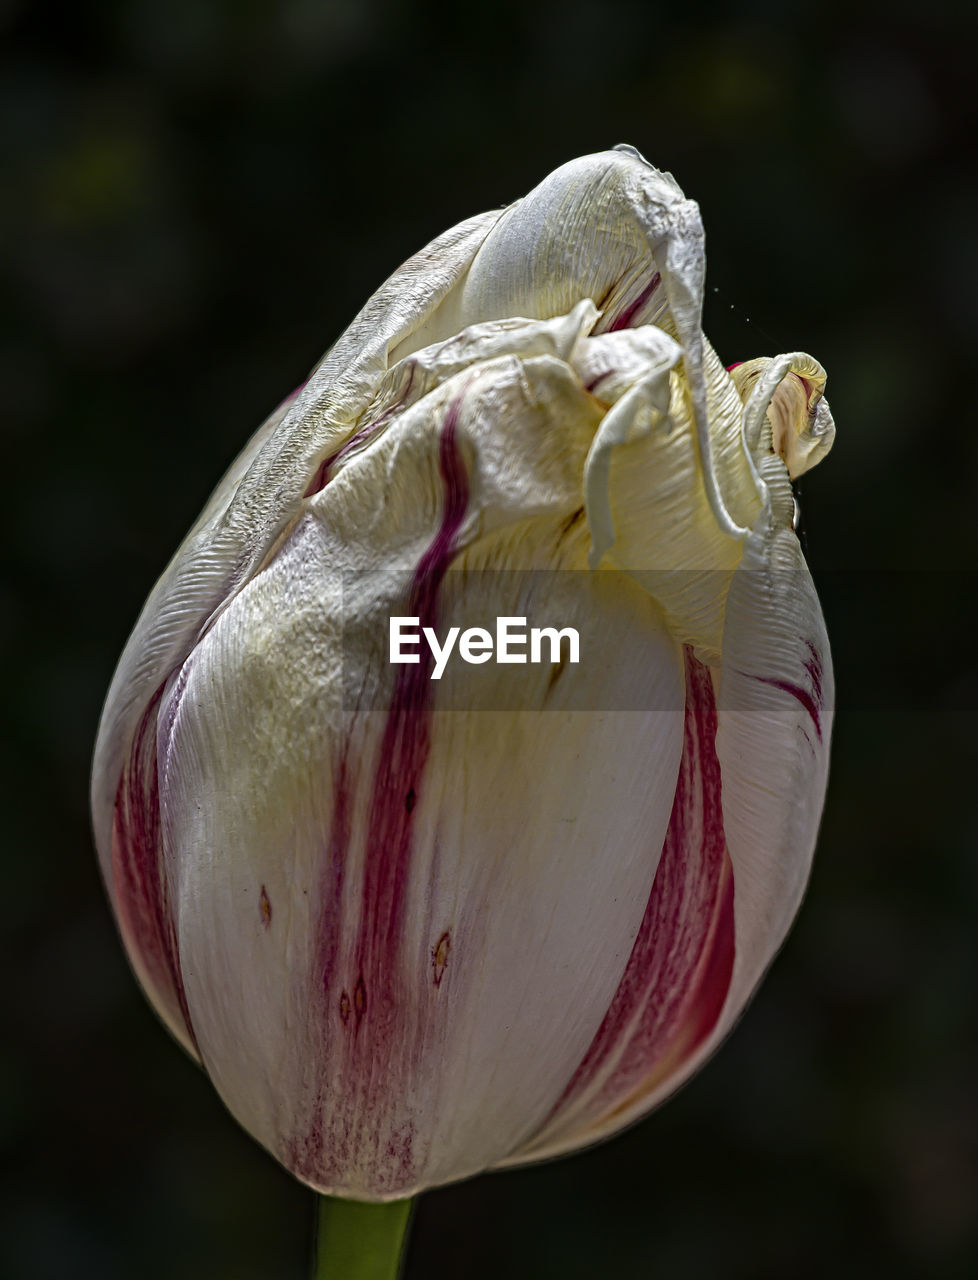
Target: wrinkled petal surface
389, 899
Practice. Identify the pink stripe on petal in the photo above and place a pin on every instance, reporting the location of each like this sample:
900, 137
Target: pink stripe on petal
678, 974
801, 695
364, 994
624, 321
811, 699
331, 882
140, 890
405, 745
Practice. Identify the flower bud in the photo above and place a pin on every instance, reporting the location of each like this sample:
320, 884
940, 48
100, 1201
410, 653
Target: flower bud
411, 927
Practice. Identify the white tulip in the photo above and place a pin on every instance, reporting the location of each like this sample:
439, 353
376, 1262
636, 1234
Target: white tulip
416, 928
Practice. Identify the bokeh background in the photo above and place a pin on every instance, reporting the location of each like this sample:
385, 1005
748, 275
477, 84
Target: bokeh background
196, 197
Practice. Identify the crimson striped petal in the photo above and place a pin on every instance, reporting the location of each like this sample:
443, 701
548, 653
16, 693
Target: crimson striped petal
678, 974
141, 886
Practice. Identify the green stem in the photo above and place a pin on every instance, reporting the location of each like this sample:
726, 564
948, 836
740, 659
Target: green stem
357, 1241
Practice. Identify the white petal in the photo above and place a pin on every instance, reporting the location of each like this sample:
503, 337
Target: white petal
798, 417
643, 265
609, 364
678, 974
417, 375
260, 495
776, 705
558, 245
665, 534
773, 722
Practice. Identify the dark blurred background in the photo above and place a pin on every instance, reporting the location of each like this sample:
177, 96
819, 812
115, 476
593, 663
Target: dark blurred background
196, 197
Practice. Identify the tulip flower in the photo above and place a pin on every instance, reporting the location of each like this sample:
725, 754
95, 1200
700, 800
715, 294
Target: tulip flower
413, 928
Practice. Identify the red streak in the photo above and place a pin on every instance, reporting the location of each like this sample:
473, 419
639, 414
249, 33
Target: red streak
370, 1011
141, 892
802, 695
331, 884
678, 974
812, 702
404, 751
813, 665
628, 315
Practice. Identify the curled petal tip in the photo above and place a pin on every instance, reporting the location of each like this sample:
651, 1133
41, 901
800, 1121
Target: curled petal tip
790, 391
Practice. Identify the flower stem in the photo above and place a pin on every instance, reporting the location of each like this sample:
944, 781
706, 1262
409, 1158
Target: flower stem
357, 1241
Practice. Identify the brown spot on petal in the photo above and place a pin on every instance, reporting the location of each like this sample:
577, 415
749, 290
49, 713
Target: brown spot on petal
265, 908
571, 521
360, 999
556, 671
344, 1007
439, 956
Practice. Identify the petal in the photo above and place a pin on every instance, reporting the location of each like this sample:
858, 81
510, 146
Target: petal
260, 495
142, 892
665, 534
750, 796
612, 228
350, 883
417, 375
678, 974
776, 702
604, 226
798, 415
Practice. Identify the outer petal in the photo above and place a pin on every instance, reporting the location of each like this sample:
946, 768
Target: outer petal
245, 517
260, 494
558, 245
665, 534
643, 265
354, 888
678, 975
776, 698
798, 414
761, 764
